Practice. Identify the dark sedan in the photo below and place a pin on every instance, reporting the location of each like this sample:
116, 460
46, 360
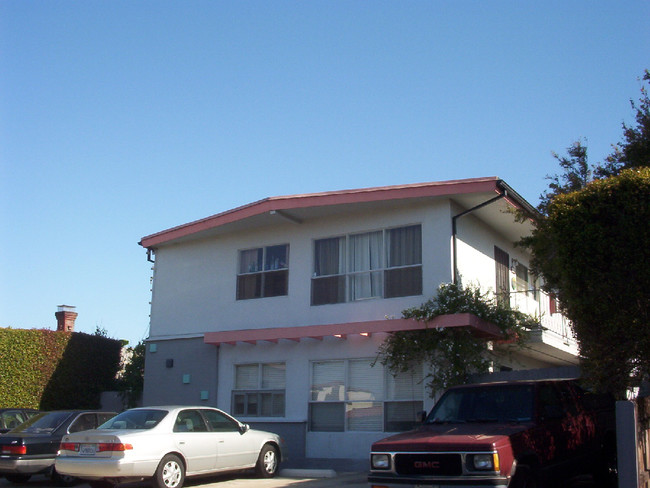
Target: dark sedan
13, 417
31, 447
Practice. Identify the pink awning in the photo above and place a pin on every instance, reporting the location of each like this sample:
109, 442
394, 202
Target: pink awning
479, 326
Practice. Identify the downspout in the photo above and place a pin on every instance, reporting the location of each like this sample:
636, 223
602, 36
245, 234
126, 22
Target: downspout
454, 230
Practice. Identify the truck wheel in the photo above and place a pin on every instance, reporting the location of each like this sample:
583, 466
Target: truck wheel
267, 462
524, 478
170, 473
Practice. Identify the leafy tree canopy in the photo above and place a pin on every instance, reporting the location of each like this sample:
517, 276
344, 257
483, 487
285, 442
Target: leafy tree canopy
592, 249
452, 354
131, 383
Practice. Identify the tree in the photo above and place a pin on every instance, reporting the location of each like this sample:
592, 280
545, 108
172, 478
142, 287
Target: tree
132, 381
577, 174
452, 354
592, 250
589, 245
634, 150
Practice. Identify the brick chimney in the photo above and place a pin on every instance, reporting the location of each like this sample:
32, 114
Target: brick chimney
65, 317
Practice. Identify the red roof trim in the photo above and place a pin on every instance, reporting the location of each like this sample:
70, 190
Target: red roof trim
473, 185
479, 326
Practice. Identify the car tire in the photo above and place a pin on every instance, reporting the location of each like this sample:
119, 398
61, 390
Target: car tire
524, 478
267, 462
18, 478
170, 473
100, 484
62, 479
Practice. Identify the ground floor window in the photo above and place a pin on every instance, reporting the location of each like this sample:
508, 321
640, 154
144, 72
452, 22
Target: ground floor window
259, 390
354, 395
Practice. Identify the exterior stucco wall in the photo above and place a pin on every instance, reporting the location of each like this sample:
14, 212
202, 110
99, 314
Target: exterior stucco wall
298, 357
195, 282
193, 373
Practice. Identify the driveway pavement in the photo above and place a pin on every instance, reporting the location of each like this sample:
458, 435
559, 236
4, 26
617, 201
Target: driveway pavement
290, 478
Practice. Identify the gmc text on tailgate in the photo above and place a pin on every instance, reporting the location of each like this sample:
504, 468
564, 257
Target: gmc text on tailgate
513, 434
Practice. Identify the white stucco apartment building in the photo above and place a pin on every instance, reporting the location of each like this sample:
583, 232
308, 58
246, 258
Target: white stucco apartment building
274, 311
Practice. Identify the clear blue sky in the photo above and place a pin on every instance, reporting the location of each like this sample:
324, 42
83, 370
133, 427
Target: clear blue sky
119, 119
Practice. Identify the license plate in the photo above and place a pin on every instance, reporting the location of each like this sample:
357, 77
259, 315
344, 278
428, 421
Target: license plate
88, 449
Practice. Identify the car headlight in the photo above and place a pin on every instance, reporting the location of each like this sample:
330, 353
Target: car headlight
380, 461
483, 462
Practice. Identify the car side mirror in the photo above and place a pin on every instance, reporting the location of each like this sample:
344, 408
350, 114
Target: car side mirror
421, 416
243, 428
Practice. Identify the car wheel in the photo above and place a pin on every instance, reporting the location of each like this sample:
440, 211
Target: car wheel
63, 479
267, 462
524, 477
170, 473
18, 478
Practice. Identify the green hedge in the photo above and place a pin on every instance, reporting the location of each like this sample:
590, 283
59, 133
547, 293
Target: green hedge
55, 370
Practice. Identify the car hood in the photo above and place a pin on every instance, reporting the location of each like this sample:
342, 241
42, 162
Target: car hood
451, 437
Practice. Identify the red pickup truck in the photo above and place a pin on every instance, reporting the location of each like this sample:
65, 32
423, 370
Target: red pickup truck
511, 434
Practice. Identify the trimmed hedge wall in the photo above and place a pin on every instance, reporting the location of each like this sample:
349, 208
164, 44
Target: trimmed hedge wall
51, 370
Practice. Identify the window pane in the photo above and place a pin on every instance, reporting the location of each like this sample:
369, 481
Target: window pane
404, 246
403, 282
522, 277
219, 422
365, 381
275, 283
272, 404
239, 404
366, 285
246, 377
249, 286
366, 251
402, 416
251, 404
328, 381
326, 417
405, 386
276, 257
364, 416
273, 376
250, 261
329, 256
328, 290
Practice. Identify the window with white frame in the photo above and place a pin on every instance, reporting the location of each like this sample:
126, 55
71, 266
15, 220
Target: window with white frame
263, 272
259, 390
385, 263
353, 395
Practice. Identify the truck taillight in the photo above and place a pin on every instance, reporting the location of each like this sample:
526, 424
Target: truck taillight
14, 449
117, 446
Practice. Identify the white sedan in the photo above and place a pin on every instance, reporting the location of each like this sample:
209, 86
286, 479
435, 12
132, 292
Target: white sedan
166, 444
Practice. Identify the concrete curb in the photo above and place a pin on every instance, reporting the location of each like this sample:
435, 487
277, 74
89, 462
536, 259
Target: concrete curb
308, 473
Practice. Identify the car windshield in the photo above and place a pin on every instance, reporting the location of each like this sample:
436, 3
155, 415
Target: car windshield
43, 422
135, 419
490, 403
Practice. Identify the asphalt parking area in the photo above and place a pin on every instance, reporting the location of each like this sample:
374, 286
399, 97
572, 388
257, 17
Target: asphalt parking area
297, 479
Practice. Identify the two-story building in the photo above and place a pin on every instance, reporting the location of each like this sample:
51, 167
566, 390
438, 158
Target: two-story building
274, 311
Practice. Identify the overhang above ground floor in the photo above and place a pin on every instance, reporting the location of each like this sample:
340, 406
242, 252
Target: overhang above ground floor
480, 327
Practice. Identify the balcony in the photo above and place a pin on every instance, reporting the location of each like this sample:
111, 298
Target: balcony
555, 340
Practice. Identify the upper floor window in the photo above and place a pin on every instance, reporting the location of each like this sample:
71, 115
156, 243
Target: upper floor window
263, 272
385, 263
